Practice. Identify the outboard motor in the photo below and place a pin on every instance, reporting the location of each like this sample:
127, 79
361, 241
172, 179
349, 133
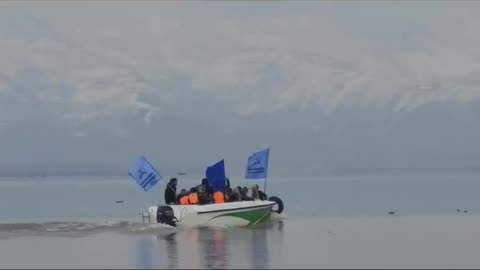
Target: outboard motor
165, 216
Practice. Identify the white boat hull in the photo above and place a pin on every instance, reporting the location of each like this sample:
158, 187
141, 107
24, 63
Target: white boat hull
238, 214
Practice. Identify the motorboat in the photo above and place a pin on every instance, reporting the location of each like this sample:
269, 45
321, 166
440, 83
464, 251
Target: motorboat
237, 214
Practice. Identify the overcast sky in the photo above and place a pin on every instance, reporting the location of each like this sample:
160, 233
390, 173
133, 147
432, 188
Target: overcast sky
89, 86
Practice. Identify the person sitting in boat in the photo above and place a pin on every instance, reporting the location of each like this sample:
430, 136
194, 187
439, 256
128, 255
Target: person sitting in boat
241, 192
244, 195
171, 192
182, 193
188, 197
205, 192
227, 183
261, 195
184, 197
208, 186
235, 196
228, 193
255, 194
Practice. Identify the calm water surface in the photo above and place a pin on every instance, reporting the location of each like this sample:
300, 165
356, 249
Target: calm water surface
76, 222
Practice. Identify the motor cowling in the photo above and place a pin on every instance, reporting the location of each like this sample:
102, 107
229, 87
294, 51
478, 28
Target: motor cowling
165, 215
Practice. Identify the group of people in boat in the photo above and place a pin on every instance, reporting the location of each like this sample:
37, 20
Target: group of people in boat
204, 194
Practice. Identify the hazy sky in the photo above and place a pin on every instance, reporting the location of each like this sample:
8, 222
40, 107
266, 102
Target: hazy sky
88, 86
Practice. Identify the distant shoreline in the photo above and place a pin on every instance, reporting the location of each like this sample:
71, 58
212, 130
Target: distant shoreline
283, 173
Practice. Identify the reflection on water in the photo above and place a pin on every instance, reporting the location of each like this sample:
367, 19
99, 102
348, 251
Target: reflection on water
213, 248
220, 248
172, 251
144, 258
259, 249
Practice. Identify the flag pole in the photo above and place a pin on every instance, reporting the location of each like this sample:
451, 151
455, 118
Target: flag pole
146, 160
266, 173
265, 185
164, 180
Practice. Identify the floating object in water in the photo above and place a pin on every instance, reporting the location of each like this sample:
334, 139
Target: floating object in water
391, 213
181, 173
465, 211
458, 210
118, 201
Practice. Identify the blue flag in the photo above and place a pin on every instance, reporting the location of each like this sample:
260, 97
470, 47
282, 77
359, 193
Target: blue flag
215, 175
257, 165
144, 174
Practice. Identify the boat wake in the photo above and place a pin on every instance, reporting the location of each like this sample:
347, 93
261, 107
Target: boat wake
275, 217
82, 229
77, 229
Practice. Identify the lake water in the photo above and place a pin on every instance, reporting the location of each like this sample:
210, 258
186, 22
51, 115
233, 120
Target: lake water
75, 221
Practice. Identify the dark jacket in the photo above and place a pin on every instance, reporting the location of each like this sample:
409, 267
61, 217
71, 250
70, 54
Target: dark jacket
245, 197
179, 196
170, 195
204, 193
262, 195
227, 183
234, 197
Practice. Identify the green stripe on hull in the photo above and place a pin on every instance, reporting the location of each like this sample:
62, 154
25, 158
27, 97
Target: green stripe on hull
252, 216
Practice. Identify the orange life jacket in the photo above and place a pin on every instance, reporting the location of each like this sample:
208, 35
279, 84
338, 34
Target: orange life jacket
184, 200
193, 198
218, 197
